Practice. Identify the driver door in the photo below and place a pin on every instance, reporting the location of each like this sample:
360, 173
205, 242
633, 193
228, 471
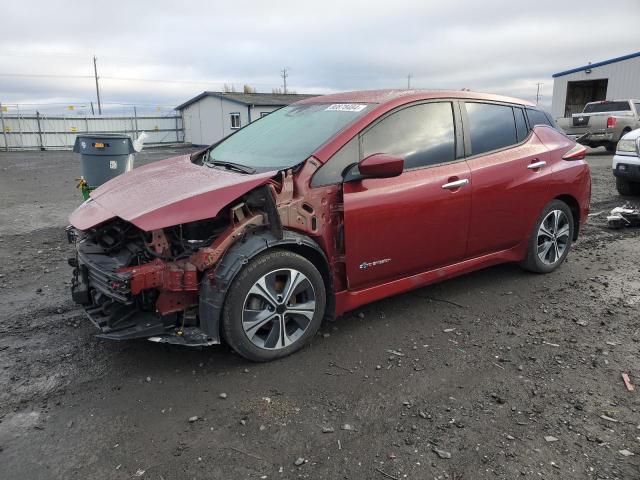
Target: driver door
418, 221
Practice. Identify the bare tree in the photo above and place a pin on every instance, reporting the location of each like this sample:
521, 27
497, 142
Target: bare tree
279, 91
229, 88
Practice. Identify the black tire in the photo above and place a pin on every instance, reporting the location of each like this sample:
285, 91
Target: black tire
234, 306
533, 262
627, 188
611, 147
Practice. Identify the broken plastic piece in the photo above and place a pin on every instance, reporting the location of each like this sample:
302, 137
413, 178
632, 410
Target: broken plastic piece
625, 216
627, 382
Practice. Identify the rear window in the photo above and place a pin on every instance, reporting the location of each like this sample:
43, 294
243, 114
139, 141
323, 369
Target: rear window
538, 117
601, 107
491, 127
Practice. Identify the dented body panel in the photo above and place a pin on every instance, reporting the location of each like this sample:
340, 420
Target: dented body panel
165, 193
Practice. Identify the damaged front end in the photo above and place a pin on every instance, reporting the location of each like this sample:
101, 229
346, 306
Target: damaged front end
138, 284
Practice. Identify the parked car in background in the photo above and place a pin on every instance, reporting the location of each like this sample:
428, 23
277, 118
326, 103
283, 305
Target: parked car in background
626, 164
602, 124
321, 207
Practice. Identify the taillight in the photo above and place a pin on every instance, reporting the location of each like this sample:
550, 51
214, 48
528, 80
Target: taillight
576, 153
611, 122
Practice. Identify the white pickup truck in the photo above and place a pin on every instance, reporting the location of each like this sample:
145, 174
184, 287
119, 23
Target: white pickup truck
602, 124
626, 164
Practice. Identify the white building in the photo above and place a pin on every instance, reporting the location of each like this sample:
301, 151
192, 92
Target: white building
614, 79
211, 116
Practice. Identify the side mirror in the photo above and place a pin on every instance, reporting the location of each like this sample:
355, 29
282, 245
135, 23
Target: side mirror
381, 165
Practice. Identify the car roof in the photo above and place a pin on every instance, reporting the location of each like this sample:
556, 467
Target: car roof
405, 96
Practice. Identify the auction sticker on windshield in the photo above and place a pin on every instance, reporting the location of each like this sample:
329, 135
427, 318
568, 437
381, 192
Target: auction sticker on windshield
346, 107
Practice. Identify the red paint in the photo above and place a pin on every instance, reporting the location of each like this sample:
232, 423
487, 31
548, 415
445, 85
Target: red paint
409, 220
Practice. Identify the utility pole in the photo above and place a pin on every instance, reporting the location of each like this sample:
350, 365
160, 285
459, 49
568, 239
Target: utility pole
95, 72
4, 129
409, 81
538, 92
284, 76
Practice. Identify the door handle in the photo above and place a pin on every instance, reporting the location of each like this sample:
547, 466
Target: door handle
456, 184
536, 165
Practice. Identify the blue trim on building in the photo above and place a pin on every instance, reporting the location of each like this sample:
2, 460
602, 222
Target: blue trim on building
598, 64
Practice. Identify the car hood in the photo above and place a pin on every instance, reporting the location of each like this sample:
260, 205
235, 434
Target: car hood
632, 135
165, 193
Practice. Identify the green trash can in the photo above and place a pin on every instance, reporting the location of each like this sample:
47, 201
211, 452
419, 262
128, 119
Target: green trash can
103, 157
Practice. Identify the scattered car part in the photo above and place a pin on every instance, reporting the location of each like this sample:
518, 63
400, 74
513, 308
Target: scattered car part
625, 216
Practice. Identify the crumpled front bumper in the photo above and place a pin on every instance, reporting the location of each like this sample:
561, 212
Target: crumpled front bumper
106, 297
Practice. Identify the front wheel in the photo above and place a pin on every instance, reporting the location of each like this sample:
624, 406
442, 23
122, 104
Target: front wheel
274, 306
551, 238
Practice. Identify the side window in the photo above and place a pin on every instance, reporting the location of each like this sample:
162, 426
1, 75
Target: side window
422, 134
637, 105
491, 127
331, 172
521, 125
235, 120
537, 117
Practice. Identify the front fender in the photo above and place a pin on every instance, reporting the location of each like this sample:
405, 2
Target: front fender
216, 282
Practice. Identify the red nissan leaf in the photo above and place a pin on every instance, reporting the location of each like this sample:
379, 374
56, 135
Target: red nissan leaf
323, 206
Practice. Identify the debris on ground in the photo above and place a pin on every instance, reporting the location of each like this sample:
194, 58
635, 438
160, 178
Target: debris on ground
442, 453
627, 382
396, 353
608, 419
626, 216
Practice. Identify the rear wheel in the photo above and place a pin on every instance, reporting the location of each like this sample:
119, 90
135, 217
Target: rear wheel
551, 238
274, 306
627, 188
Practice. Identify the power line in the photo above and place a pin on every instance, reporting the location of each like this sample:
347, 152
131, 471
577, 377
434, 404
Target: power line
42, 75
125, 79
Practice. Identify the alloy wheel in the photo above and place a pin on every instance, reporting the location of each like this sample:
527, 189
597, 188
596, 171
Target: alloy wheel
553, 237
278, 309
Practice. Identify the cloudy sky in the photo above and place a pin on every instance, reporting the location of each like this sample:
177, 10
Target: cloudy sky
164, 52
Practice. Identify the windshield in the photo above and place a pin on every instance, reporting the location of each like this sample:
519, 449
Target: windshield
287, 136
606, 107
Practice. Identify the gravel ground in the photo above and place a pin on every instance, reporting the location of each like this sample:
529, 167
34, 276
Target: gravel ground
498, 374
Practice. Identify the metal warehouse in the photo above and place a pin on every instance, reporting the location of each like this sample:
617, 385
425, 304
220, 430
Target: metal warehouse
211, 116
614, 79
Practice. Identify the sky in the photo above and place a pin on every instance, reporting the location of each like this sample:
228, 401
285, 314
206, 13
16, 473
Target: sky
161, 53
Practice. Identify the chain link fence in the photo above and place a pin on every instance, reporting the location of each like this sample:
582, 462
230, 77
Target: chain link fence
55, 126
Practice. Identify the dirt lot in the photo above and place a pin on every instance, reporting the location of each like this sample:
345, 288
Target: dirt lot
498, 374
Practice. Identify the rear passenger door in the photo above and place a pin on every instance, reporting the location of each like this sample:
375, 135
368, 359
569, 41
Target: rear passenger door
509, 176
